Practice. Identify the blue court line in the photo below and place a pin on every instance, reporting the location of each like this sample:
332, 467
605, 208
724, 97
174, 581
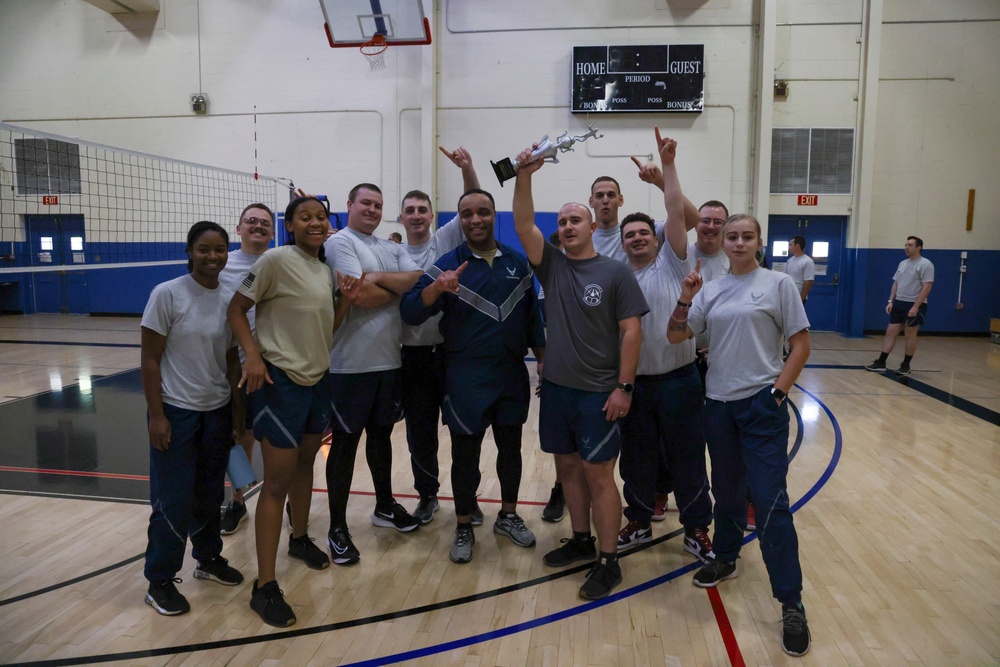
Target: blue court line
475, 639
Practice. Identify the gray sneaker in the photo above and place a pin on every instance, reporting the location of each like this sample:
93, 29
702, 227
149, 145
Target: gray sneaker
461, 548
477, 515
426, 509
513, 527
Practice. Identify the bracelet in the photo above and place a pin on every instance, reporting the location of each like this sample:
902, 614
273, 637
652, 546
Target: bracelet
682, 304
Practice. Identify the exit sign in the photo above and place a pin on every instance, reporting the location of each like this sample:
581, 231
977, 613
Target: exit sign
50, 200
808, 200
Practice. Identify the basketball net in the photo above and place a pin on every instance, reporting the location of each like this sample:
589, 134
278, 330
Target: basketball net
374, 51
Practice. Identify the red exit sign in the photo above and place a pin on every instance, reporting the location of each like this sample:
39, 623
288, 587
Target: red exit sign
808, 200
52, 200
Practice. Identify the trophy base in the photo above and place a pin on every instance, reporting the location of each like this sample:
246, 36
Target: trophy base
504, 169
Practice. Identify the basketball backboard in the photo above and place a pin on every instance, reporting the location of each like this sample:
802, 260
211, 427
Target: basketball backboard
356, 22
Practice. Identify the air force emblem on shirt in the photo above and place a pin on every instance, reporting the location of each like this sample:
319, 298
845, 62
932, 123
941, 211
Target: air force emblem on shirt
512, 273
592, 295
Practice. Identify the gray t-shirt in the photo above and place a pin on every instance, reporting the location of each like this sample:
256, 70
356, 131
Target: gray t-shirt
608, 242
660, 282
448, 237
193, 320
584, 302
911, 276
369, 338
237, 267
712, 268
747, 319
801, 269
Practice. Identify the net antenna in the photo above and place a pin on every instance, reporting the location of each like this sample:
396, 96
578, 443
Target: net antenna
374, 25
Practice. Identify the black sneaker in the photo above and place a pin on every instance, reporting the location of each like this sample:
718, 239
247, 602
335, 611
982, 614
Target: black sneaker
571, 551
219, 570
601, 580
305, 549
795, 630
232, 517
342, 549
269, 603
876, 366
904, 369
713, 572
395, 516
555, 509
476, 518
164, 597
426, 509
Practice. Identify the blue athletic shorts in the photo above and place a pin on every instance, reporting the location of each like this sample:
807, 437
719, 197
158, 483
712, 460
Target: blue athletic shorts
900, 313
573, 421
365, 400
285, 411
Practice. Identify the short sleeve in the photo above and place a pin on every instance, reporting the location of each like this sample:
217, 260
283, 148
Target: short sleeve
696, 313
927, 273
159, 310
793, 313
344, 256
403, 259
809, 271
258, 284
631, 302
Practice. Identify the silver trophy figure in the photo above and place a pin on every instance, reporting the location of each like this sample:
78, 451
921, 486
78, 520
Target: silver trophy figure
506, 168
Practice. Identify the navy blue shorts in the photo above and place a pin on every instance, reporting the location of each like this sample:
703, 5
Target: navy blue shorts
285, 411
573, 421
900, 313
365, 400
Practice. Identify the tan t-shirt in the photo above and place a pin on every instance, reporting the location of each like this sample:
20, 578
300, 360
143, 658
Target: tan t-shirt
294, 297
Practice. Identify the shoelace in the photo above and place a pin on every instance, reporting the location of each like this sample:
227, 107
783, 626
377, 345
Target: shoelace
463, 537
175, 580
517, 521
793, 619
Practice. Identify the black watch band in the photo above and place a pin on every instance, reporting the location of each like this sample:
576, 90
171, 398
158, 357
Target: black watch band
779, 395
626, 387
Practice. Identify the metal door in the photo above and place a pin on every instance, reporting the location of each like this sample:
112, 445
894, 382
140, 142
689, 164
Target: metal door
58, 240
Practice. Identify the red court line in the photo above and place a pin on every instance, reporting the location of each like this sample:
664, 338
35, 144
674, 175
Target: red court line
728, 638
76, 473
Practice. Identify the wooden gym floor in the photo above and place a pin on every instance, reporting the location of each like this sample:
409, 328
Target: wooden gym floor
896, 485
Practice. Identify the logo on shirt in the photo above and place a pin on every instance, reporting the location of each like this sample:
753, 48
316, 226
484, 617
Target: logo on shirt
248, 281
592, 295
512, 271
754, 299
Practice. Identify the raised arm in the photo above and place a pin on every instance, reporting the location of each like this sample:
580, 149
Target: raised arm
532, 239
463, 160
678, 330
652, 174
673, 198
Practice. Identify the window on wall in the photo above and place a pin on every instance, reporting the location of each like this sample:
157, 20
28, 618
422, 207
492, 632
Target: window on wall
47, 167
812, 161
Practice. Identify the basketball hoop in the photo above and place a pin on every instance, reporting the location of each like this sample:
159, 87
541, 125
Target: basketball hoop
374, 51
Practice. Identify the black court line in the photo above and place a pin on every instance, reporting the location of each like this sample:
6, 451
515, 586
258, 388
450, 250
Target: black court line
63, 584
63, 342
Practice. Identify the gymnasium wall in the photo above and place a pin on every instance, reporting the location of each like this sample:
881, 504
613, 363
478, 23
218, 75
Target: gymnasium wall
915, 78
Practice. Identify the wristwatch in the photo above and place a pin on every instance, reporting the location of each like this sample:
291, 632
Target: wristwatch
626, 387
779, 395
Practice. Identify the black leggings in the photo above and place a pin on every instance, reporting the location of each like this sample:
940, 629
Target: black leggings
465, 450
340, 469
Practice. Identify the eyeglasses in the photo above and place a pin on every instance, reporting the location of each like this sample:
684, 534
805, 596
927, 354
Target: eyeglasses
718, 222
266, 224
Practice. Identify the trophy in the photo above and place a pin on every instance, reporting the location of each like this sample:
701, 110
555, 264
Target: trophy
506, 168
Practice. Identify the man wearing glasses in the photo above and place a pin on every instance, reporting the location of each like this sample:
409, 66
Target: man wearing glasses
256, 231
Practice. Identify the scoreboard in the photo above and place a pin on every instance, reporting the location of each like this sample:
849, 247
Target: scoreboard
622, 79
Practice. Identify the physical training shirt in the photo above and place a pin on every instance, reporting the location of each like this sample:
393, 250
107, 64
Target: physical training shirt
801, 269
911, 276
294, 295
193, 320
712, 267
585, 299
608, 242
368, 339
448, 237
747, 318
237, 267
660, 281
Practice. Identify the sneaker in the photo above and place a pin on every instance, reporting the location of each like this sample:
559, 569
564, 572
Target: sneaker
396, 517
634, 534
660, 507
164, 597
461, 548
555, 509
698, 543
477, 515
304, 549
269, 603
219, 570
601, 580
234, 515
713, 572
876, 366
342, 549
795, 629
513, 527
904, 369
426, 509
571, 551
751, 517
